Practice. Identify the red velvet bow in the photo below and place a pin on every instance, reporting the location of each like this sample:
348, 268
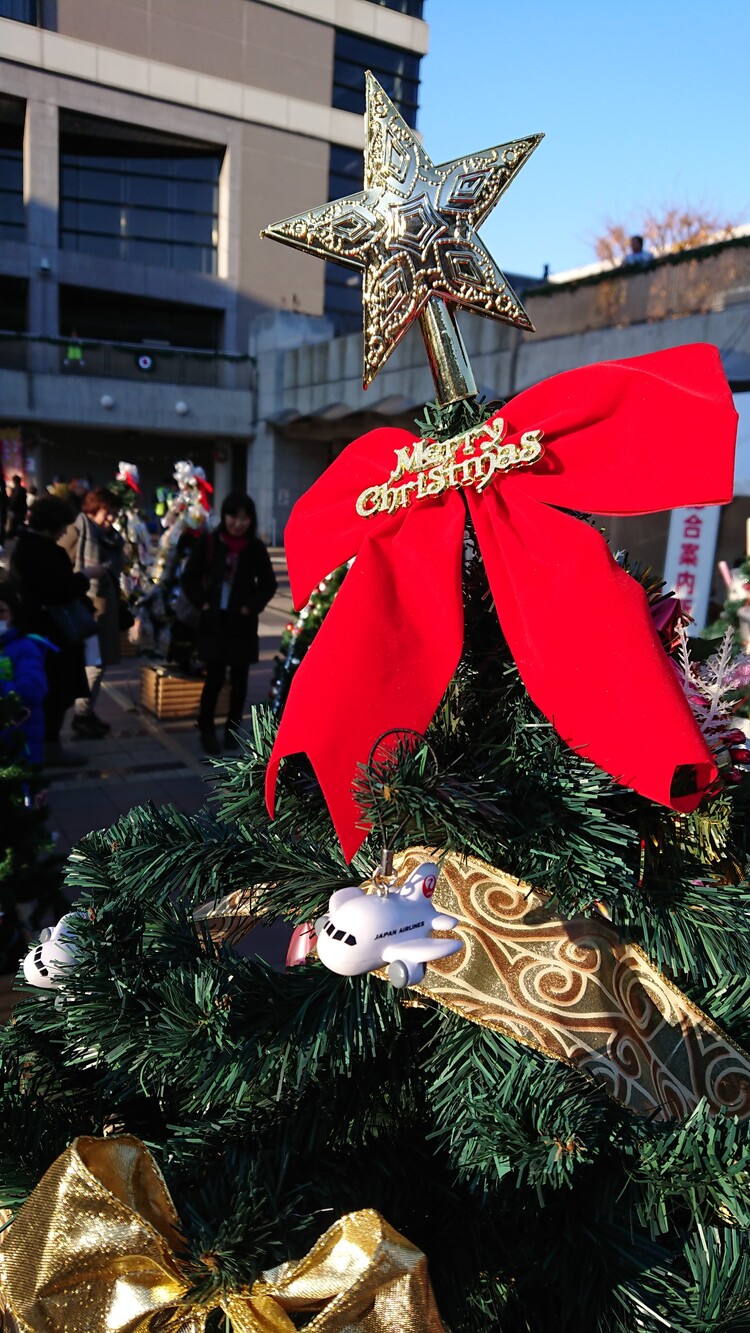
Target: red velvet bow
620, 437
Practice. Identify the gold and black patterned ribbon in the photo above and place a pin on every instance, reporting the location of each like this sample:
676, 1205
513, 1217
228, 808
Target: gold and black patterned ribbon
575, 990
97, 1247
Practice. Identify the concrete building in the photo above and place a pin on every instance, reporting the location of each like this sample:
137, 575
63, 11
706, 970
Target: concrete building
143, 144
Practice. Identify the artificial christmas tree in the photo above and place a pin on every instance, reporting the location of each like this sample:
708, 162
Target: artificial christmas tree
131, 524
555, 1110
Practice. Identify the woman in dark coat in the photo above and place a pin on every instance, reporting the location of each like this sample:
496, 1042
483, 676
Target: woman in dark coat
45, 577
229, 579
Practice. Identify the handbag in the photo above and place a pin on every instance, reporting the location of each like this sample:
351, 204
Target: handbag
73, 621
185, 612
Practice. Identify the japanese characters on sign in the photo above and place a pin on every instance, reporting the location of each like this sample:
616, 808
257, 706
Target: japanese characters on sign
690, 558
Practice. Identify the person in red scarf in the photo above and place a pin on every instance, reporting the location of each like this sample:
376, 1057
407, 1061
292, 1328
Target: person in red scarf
229, 579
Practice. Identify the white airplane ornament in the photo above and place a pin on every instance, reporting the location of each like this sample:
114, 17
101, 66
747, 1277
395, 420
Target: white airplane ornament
362, 932
46, 962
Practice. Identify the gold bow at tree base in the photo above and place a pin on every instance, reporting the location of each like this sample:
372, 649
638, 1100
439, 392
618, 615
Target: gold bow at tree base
577, 992
96, 1247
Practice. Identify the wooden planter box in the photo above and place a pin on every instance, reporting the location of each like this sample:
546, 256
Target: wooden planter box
167, 693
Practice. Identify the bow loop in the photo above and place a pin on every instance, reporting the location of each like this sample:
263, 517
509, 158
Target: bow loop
97, 1246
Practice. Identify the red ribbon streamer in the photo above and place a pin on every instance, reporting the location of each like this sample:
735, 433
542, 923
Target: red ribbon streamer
622, 437
205, 490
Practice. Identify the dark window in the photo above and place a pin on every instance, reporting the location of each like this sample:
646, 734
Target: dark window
12, 212
130, 193
13, 304
343, 286
112, 317
23, 11
411, 7
396, 70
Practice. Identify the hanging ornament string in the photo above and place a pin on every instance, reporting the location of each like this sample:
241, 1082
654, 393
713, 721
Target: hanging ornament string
620, 437
391, 741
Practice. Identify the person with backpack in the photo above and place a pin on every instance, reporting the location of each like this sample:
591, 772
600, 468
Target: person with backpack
229, 580
22, 674
50, 592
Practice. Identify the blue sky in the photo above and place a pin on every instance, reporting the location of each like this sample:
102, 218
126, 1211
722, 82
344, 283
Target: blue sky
642, 106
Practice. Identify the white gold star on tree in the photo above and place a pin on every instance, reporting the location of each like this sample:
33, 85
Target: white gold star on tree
412, 230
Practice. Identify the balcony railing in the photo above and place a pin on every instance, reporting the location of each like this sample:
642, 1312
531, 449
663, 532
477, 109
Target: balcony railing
125, 361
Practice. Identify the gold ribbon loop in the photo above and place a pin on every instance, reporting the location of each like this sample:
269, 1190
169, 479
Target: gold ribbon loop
97, 1247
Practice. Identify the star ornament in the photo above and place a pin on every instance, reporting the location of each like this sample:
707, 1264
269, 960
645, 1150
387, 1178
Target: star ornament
413, 230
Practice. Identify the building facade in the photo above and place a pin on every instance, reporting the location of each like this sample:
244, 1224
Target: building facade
143, 145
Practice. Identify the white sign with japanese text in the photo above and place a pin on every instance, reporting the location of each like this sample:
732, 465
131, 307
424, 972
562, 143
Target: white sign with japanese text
689, 566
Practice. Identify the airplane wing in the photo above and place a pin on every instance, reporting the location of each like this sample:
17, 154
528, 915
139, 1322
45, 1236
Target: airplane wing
442, 922
420, 951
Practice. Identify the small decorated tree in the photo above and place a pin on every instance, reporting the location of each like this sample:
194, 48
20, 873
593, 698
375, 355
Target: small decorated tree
186, 518
131, 523
298, 636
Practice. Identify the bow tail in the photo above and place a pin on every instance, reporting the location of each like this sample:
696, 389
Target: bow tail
382, 658
605, 683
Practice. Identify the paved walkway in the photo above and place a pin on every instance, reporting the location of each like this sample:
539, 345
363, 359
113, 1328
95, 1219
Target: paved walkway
142, 758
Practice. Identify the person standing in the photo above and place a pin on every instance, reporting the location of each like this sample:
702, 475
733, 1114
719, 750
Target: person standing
47, 582
637, 255
229, 579
92, 540
17, 506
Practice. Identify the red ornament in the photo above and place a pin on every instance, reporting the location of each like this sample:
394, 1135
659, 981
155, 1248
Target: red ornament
620, 437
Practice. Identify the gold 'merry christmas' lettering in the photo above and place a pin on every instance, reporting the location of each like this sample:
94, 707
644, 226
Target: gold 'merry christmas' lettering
472, 458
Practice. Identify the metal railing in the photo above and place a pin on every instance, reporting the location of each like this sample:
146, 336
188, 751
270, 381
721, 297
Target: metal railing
125, 361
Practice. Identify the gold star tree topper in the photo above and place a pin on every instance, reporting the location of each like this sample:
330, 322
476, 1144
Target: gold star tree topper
413, 232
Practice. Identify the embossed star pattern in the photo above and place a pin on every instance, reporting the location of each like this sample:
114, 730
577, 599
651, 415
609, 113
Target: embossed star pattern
413, 230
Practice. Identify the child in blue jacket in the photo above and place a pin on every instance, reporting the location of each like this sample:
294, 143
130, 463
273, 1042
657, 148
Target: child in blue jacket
22, 673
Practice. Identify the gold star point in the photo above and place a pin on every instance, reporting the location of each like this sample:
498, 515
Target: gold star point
413, 229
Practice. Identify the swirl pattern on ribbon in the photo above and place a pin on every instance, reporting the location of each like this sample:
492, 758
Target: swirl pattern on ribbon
573, 989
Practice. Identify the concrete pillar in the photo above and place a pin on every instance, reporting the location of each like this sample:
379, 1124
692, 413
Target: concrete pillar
261, 467
41, 197
222, 478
